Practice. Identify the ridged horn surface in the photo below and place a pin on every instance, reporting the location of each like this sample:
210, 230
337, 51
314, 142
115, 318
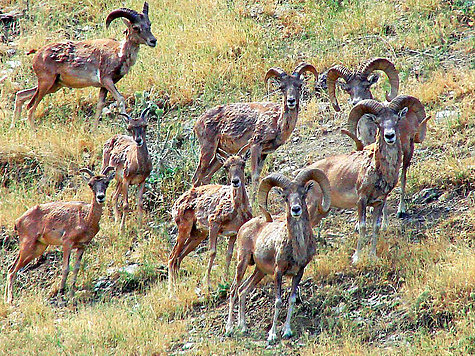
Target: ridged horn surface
367, 106
333, 74
273, 180
318, 176
387, 67
131, 15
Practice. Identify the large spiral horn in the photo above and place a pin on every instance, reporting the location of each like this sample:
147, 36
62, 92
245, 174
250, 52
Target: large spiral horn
273, 180
333, 74
305, 67
274, 72
415, 112
387, 67
131, 15
367, 106
318, 176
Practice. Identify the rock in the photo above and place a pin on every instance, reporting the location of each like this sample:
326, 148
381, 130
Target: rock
446, 115
130, 269
427, 195
188, 346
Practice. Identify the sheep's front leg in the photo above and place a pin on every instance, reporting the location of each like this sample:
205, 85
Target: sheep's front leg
256, 164
361, 229
377, 213
272, 337
287, 331
213, 236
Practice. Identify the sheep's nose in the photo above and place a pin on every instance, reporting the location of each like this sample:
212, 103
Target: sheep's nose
296, 210
236, 182
139, 141
390, 136
153, 42
291, 101
101, 197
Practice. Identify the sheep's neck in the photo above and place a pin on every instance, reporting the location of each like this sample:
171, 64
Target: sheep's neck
143, 157
129, 48
287, 121
239, 198
300, 237
387, 160
95, 212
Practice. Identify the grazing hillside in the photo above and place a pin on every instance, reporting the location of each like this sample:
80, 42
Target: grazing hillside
418, 298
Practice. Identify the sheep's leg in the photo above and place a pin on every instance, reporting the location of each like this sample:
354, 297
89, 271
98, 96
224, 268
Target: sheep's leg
184, 229
125, 204
66, 254
115, 201
213, 167
385, 223
110, 86
213, 237
46, 85
256, 164
278, 304
100, 106
406, 162
141, 189
208, 163
79, 255
248, 286
377, 213
28, 252
234, 291
361, 229
20, 99
229, 253
287, 331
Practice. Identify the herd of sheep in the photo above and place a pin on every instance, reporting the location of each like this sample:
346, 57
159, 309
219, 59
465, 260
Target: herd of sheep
228, 135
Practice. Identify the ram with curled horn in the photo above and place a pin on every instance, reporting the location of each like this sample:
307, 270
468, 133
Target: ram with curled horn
266, 125
365, 178
278, 247
97, 63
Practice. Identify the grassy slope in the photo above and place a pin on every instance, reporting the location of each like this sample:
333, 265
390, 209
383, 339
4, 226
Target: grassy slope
213, 52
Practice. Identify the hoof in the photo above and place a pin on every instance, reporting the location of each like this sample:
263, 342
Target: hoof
287, 334
402, 215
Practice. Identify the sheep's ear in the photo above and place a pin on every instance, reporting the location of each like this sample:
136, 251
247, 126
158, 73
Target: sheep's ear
246, 155
309, 186
220, 158
343, 85
373, 78
402, 113
127, 23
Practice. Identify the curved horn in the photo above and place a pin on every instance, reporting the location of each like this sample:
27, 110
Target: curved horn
318, 176
387, 67
144, 113
145, 8
333, 74
126, 116
305, 67
367, 106
273, 180
222, 152
416, 108
358, 143
131, 15
274, 72
107, 170
87, 171
244, 148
